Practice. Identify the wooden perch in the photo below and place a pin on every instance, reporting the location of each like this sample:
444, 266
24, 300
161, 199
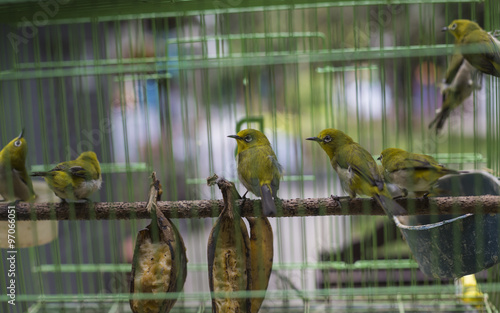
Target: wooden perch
286, 208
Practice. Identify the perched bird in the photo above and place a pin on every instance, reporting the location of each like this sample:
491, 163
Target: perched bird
461, 80
487, 57
74, 180
258, 167
15, 183
356, 168
412, 171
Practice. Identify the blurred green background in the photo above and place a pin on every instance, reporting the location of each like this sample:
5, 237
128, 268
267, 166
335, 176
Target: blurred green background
158, 85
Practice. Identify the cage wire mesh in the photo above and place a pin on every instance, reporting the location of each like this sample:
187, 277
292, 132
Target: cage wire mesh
158, 86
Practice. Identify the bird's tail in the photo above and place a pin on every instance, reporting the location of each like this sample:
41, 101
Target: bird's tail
268, 206
440, 118
390, 206
39, 174
447, 171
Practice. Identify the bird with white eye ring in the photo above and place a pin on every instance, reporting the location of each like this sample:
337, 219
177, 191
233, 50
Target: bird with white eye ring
486, 54
258, 167
15, 183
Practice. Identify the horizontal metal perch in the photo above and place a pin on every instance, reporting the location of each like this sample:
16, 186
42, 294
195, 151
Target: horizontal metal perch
286, 208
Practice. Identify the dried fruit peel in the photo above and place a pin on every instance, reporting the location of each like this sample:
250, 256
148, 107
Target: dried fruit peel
153, 274
158, 266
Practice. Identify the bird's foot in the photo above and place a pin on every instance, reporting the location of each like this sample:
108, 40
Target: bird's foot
337, 199
13, 203
244, 198
242, 204
82, 200
244, 195
425, 198
399, 197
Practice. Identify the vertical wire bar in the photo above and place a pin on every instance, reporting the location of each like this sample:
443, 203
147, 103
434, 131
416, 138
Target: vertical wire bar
409, 89
94, 228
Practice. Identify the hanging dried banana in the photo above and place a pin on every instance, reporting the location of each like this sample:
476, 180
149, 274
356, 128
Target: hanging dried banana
235, 262
228, 257
261, 256
159, 264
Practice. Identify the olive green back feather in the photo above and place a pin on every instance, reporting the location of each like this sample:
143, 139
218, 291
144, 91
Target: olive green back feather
354, 156
259, 166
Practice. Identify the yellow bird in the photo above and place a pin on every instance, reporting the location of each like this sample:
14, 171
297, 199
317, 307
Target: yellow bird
76, 179
461, 80
412, 171
15, 183
356, 168
258, 167
487, 57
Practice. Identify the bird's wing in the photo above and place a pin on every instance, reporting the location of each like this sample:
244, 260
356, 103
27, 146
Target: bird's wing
456, 61
278, 173
260, 166
459, 84
374, 180
418, 164
432, 165
276, 165
488, 58
495, 55
23, 175
361, 163
78, 171
255, 166
62, 167
72, 168
26, 180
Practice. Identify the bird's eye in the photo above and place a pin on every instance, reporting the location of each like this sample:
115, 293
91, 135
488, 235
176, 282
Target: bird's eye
453, 26
17, 143
327, 138
248, 138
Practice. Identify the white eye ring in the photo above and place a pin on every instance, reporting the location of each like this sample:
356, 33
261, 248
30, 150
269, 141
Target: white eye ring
248, 138
327, 138
17, 143
453, 26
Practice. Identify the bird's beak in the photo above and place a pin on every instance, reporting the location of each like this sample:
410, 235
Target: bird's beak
21, 134
314, 139
444, 29
379, 158
235, 137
